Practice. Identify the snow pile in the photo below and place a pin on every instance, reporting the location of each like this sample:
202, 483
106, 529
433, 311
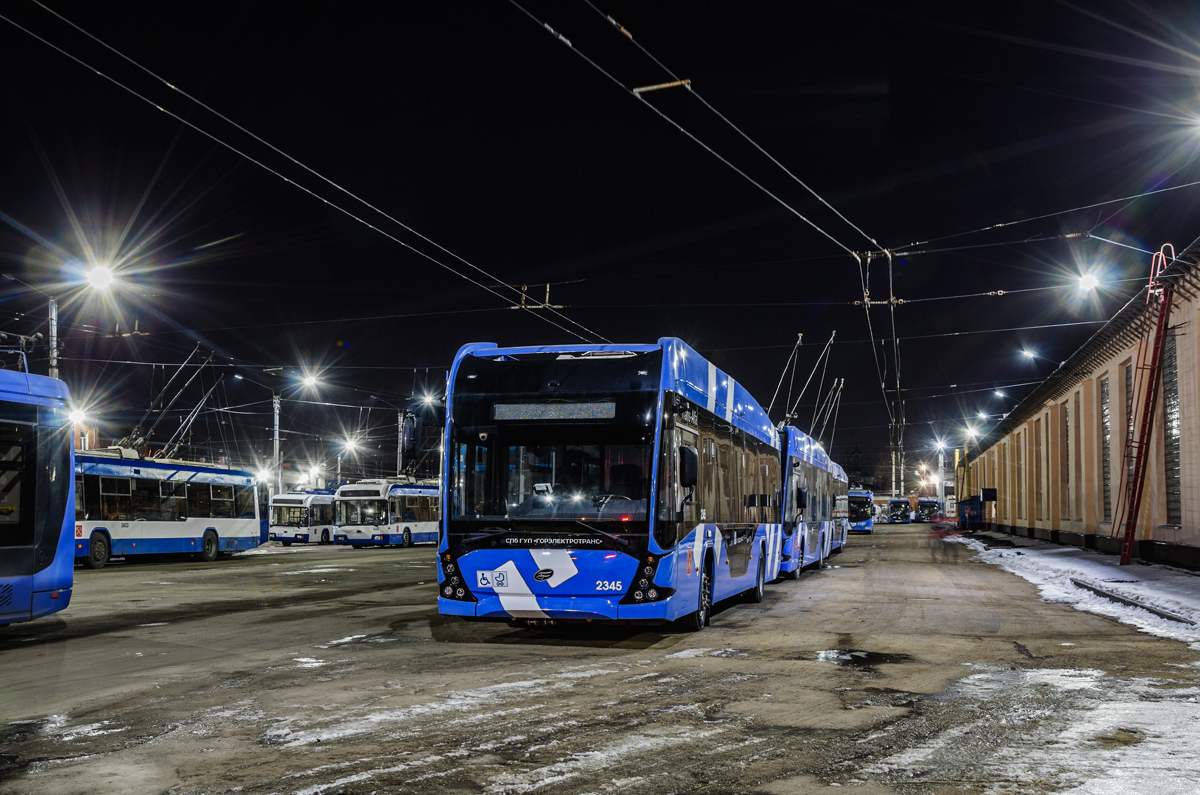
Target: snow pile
1052, 567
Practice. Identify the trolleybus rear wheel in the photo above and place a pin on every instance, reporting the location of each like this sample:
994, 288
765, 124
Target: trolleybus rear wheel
325, 537
759, 589
98, 550
208, 547
694, 622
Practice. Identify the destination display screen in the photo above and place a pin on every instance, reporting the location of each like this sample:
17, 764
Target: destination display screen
601, 410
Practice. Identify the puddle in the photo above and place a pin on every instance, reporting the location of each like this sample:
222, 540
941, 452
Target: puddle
855, 658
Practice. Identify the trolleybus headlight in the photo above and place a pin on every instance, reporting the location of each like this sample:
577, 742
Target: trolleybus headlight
448, 590
459, 593
648, 570
449, 568
637, 595
642, 583
454, 581
652, 594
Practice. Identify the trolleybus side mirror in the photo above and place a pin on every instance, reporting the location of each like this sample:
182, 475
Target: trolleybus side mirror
801, 499
689, 466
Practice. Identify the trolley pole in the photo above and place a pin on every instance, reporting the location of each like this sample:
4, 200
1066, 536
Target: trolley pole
53, 337
275, 459
399, 442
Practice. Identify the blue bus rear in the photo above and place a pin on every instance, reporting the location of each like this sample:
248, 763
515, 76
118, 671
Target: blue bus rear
37, 497
623, 483
861, 511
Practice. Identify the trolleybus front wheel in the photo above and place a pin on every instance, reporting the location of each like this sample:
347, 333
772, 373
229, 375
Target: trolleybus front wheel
407, 537
98, 550
325, 538
208, 547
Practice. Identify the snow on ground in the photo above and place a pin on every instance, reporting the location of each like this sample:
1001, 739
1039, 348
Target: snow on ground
1077, 732
1051, 567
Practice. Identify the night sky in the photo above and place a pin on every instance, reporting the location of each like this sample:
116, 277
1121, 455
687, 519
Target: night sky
475, 126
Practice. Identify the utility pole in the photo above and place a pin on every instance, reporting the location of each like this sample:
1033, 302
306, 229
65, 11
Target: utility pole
399, 442
275, 464
53, 337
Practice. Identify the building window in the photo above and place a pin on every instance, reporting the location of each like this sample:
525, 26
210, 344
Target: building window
1019, 472
1170, 384
1037, 469
1064, 460
1106, 449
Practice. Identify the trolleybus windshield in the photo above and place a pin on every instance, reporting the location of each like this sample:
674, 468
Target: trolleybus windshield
860, 508
548, 442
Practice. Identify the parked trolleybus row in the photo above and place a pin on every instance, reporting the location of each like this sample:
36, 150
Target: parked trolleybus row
628, 483
621, 483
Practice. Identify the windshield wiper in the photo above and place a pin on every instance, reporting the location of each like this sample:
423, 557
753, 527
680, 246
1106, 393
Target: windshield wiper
486, 532
623, 542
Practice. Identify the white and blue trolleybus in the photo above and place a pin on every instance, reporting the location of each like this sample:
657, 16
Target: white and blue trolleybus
630, 483
127, 505
387, 513
36, 494
302, 517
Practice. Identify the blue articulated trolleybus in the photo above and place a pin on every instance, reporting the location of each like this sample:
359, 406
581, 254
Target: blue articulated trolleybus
861, 509
630, 483
36, 497
814, 503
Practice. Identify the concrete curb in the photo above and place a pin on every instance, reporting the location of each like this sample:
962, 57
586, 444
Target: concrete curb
1125, 600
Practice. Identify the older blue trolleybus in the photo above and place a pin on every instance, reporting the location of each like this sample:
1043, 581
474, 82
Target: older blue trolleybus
36, 497
861, 509
632, 483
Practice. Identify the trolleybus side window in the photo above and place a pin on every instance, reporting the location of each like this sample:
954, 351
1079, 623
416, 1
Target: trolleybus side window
147, 504
245, 505
199, 500
174, 499
16, 520
222, 501
80, 505
114, 499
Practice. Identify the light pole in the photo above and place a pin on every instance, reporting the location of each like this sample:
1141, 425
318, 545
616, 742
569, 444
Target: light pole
276, 398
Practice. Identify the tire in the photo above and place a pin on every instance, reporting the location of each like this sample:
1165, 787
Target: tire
286, 543
325, 538
98, 551
209, 547
694, 622
793, 575
756, 594
407, 537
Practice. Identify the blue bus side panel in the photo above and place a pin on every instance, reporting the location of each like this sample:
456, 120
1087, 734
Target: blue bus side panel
16, 599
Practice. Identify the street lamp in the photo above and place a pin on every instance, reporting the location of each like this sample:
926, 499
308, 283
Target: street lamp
101, 277
1088, 282
348, 446
100, 281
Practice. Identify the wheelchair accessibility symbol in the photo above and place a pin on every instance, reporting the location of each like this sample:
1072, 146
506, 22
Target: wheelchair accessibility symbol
491, 579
